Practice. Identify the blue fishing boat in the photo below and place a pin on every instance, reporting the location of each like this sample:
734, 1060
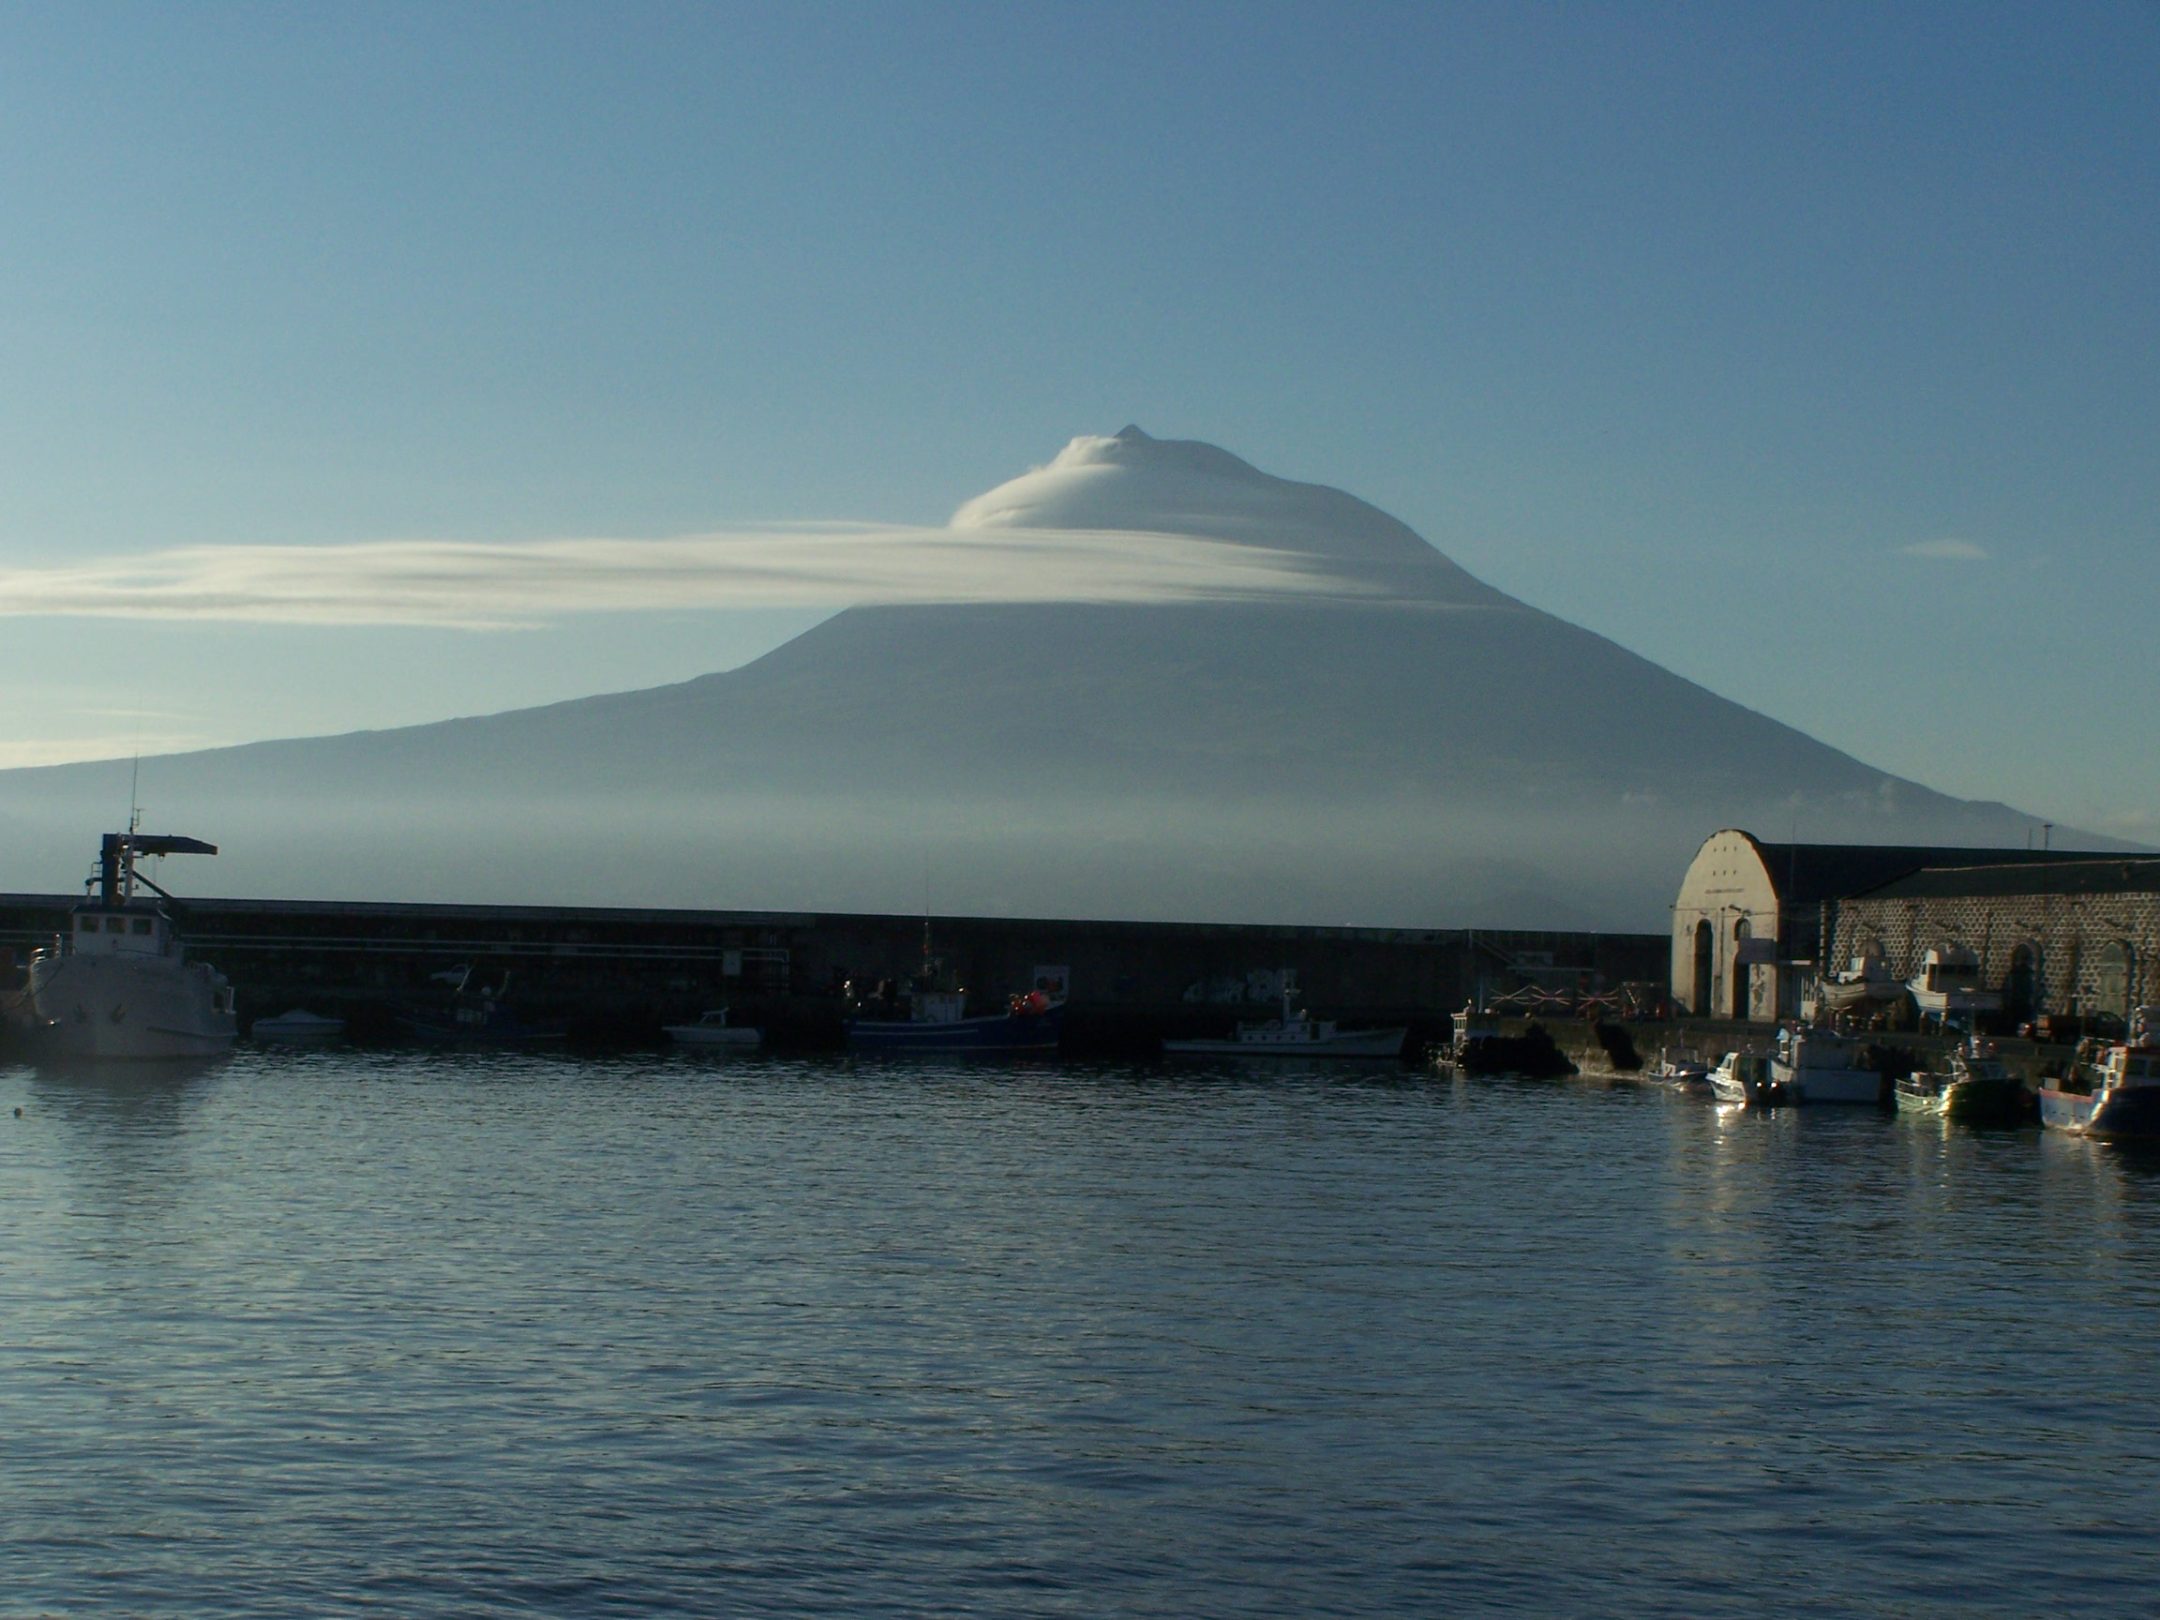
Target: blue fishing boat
937, 1021
476, 1015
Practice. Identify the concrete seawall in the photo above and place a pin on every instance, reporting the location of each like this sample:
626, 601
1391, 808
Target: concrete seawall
618, 975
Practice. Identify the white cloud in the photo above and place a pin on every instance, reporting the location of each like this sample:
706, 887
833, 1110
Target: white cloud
18, 753
524, 584
1946, 550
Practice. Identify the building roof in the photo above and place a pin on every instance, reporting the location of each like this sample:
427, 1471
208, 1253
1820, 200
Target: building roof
1809, 873
2114, 874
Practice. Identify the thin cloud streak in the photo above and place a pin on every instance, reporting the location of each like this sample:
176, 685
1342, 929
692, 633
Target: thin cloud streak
509, 585
24, 753
1946, 551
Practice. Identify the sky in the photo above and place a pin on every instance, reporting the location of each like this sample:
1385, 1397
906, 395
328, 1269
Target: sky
374, 364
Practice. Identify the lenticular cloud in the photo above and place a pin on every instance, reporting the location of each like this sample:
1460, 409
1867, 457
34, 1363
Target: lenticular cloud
1125, 520
516, 585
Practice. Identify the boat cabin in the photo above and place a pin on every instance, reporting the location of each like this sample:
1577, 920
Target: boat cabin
134, 930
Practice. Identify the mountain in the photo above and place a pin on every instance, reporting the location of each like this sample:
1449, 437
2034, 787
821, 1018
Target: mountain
1390, 743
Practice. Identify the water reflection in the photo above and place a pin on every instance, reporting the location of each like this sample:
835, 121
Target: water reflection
120, 1134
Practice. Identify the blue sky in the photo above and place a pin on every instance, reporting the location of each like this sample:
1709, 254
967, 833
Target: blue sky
1807, 350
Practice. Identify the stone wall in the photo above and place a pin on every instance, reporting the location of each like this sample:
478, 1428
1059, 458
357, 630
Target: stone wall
2082, 955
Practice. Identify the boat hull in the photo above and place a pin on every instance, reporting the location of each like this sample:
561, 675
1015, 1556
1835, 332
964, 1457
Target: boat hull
705, 1035
297, 1029
119, 1008
438, 1031
992, 1032
2130, 1114
1746, 1093
1353, 1043
1970, 1102
1850, 1087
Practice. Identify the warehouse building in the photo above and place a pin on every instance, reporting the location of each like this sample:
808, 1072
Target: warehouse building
1757, 926
2070, 946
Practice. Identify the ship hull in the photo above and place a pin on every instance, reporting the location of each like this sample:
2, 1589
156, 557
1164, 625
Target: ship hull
993, 1032
2131, 1114
103, 1009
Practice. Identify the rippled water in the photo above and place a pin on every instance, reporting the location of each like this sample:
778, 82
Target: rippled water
343, 1332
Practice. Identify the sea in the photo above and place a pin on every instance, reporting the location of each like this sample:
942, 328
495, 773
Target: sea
358, 1332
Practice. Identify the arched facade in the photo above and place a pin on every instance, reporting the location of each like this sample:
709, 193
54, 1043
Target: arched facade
1725, 928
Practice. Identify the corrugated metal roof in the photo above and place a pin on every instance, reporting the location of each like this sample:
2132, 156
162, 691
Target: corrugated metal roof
2114, 874
1810, 873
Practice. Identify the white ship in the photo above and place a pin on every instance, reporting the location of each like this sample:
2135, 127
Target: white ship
119, 984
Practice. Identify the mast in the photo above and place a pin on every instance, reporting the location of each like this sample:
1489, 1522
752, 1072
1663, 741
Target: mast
118, 852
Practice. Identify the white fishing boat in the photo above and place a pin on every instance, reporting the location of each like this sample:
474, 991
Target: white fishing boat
714, 1029
1948, 985
119, 985
1862, 986
299, 1027
1817, 1064
1295, 1033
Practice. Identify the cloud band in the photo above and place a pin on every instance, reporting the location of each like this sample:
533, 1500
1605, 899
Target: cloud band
526, 584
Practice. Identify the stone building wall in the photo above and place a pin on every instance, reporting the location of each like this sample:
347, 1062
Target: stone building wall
2083, 955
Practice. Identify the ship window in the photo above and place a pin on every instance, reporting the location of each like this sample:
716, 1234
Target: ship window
86, 925
142, 925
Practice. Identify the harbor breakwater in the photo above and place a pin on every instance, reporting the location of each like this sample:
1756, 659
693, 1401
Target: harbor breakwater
618, 975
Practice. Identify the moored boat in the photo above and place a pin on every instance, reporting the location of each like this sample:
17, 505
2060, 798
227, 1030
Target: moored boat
120, 984
713, 1028
1948, 985
298, 1027
1678, 1067
1295, 1033
938, 1021
1816, 1064
1860, 988
2116, 1097
1744, 1079
1974, 1087
476, 1015
1474, 1030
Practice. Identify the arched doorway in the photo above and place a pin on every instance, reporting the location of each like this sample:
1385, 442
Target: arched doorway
2021, 986
1740, 973
1705, 946
2113, 974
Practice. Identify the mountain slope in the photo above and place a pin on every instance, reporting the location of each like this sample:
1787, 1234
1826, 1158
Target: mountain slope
1400, 744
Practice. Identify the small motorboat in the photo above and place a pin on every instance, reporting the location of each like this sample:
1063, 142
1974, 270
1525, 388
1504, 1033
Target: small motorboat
477, 1016
714, 1029
1680, 1068
297, 1027
1296, 1033
1744, 1079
